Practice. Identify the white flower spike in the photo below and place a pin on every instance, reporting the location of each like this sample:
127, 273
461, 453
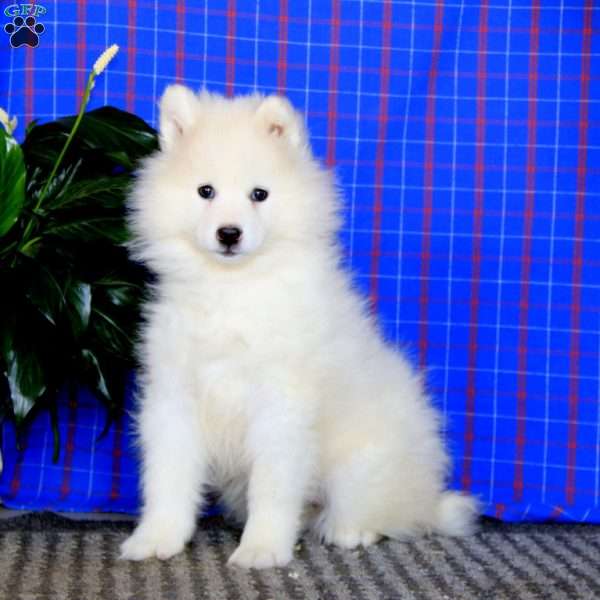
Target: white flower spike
9, 124
98, 67
105, 58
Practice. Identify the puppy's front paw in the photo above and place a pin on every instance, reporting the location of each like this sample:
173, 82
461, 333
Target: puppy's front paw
260, 556
148, 541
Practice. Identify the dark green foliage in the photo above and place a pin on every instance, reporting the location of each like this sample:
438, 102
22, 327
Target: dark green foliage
69, 295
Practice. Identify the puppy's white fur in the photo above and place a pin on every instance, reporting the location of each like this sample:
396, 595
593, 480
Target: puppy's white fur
265, 377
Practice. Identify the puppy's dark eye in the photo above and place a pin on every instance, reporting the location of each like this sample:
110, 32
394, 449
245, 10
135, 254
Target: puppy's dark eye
259, 195
206, 191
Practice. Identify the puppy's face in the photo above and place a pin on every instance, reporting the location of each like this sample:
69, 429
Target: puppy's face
231, 176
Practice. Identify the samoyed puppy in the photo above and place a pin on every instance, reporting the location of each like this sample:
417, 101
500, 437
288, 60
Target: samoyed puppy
265, 376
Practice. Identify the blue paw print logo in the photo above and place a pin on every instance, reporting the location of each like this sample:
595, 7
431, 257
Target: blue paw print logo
24, 31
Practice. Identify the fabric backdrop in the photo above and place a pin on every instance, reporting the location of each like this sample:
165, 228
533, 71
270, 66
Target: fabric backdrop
466, 137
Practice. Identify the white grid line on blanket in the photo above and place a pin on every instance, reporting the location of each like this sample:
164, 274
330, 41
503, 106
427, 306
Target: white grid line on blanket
597, 477
205, 61
455, 323
507, 236
96, 432
126, 475
325, 45
308, 58
10, 70
92, 470
155, 64
494, 447
59, 467
256, 30
54, 68
404, 188
341, 91
547, 5
457, 412
551, 245
512, 417
452, 207
42, 472
357, 139
469, 144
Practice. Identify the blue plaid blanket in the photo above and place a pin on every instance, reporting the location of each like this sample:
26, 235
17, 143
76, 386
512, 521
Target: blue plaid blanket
466, 137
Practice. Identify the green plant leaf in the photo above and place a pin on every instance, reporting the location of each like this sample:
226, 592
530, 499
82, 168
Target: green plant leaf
12, 182
108, 130
122, 159
78, 306
107, 228
7, 332
123, 295
94, 374
57, 189
58, 297
116, 130
111, 331
44, 291
102, 192
31, 125
25, 378
70, 296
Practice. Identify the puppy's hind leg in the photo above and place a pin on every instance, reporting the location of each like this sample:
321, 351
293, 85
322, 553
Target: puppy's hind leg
346, 519
371, 495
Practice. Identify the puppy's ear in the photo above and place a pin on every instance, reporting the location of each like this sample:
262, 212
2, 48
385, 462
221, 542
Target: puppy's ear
177, 111
279, 119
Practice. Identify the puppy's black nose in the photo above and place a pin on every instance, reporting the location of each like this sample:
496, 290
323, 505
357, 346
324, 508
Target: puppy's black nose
229, 235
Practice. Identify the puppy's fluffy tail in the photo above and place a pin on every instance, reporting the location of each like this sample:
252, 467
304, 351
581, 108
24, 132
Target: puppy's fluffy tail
456, 514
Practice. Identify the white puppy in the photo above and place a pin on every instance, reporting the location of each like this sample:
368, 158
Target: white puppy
265, 377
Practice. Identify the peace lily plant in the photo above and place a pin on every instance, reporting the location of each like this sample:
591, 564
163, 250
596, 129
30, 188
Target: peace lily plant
70, 295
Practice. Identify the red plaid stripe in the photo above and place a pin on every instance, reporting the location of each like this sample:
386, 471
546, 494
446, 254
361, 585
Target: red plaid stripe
480, 124
65, 487
499, 510
582, 167
180, 10
282, 47
432, 77
117, 454
386, 32
333, 83
131, 51
15, 483
522, 347
230, 52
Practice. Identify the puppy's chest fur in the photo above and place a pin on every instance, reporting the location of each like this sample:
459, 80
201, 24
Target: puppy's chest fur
252, 321
244, 343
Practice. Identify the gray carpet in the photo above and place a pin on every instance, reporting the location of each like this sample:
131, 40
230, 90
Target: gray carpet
46, 557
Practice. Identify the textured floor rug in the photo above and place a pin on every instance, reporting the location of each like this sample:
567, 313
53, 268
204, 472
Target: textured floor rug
46, 557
